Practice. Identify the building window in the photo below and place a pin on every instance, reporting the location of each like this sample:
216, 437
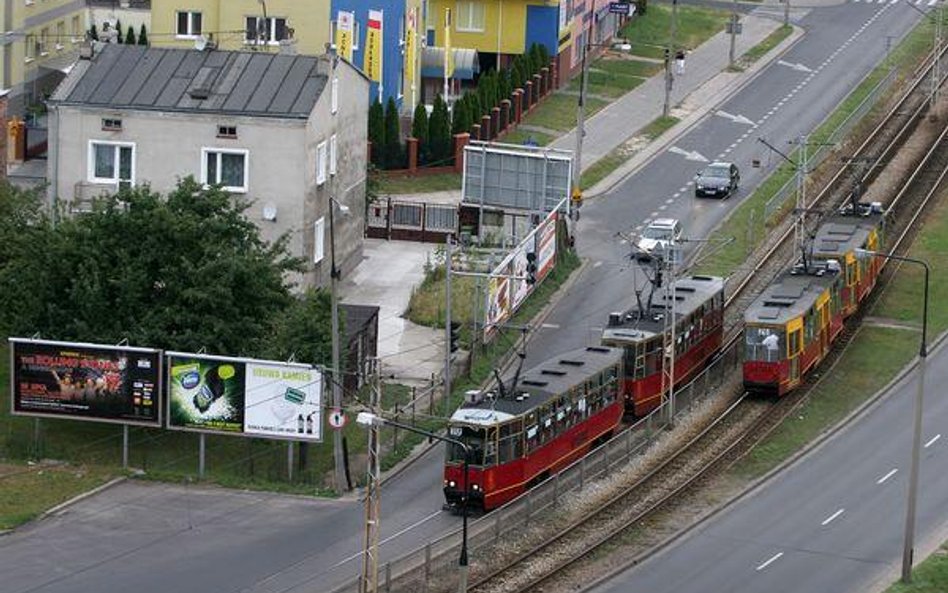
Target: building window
76, 32
470, 15
332, 155
319, 240
44, 42
111, 124
226, 131
271, 30
31, 48
189, 24
321, 163
60, 35
226, 167
334, 96
112, 162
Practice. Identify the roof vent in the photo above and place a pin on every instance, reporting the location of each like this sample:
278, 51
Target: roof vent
532, 383
552, 372
574, 363
200, 94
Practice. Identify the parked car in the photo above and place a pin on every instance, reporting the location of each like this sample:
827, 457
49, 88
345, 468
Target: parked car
717, 180
659, 234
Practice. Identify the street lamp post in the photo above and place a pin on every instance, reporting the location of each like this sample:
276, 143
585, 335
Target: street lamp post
669, 56
908, 550
334, 275
370, 419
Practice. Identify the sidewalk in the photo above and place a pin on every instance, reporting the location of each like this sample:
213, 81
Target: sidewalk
391, 269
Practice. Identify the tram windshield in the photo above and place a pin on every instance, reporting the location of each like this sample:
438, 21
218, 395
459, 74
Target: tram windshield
474, 438
764, 344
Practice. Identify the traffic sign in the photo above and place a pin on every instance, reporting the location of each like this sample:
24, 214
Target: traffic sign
337, 418
620, 8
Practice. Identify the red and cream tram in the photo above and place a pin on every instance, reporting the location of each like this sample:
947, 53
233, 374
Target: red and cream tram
553, 416
790, 327
699, 330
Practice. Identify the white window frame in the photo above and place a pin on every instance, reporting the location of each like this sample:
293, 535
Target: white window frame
319, 240
464, 13
332, 154
90, 169
190, 34
321, 158
272, 40
334, 96
241, 151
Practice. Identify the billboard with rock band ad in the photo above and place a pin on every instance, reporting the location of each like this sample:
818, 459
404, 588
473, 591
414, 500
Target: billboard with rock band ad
244, 397
83, 381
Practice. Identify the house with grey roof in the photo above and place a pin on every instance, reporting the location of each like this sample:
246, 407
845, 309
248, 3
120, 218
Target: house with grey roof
286, 133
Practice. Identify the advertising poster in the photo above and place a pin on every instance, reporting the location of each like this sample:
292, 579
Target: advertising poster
519, 286
244, 397
205, 393
344, 27
85, 381
546, 247
372, 62
498, 303
283, 401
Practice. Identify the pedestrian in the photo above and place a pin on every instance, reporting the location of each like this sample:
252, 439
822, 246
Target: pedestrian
680, 61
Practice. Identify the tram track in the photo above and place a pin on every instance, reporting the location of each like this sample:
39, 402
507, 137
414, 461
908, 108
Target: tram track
747, 421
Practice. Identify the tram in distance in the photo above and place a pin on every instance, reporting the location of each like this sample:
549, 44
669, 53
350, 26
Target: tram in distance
640, 332
792, 324
519, 436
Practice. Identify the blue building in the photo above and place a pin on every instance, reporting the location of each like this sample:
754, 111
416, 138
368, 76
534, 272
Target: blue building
394, 26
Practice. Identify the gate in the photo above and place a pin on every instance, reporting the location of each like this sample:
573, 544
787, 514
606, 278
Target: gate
391, 218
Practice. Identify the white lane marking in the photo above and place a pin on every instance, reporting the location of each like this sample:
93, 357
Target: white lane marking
389, 538
829, 519
733, 145
669, 200
557, 325
738, 119
796, 66
932, 2
771, 561
691, 155
891, 473
932, 441
683, 188
653, 215
597, 264
662, 207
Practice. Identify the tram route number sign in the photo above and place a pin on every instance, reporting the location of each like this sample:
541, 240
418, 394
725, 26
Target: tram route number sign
337, 418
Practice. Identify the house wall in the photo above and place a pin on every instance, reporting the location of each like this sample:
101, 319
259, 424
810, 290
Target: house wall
134, 17
586, 21
226, 20
168, 147
505, 25
347, 186
64, 23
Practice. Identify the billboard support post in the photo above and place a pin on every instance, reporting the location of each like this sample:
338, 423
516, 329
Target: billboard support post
289, 461
36, 437
201, 456
125, 446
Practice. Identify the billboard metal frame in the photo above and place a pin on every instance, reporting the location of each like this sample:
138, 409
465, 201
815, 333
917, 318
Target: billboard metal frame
168, 354
159, 385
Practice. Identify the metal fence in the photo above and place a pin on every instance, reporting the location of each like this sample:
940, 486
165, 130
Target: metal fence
433, 567
788, 190
390, 218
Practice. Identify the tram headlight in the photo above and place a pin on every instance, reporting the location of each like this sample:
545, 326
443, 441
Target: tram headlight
475, 487
452, 484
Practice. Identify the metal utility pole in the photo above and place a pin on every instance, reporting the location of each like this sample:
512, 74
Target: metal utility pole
668, 362
786, 13
799, 232
447, 325
370, 558
580, 126
334, 275
669, 56
730, 55
936, 58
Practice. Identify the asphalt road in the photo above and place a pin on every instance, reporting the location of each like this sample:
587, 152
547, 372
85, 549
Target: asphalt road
152, 538
833, 522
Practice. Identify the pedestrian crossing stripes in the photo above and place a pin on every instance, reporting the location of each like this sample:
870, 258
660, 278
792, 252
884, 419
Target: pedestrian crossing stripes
916, 2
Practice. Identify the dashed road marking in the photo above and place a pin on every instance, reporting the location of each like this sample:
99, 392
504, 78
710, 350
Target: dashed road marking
772, 559
932, 441
830, 519
555, 325
891, 473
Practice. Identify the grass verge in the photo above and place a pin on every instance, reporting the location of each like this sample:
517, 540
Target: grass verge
418, 184
558, 112
622, 153
650, 34
931, 576
769, 42
521, 136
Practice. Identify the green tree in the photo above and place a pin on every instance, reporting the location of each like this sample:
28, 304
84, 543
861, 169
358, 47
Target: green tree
130, 37
184, 271
304, 330
142, 35
23, 229
118, 31
377, 132
439, 133
544, 54
460, 121
394, 155
419, 130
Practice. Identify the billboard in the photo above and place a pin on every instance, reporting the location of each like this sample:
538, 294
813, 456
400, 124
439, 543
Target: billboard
507, 287
85, 381
244, 396
517, 177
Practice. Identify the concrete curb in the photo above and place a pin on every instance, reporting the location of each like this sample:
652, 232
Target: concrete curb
80, 497
757, 485
661, 143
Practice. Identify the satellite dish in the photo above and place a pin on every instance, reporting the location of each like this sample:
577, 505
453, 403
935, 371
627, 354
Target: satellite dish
269, 212
200, 43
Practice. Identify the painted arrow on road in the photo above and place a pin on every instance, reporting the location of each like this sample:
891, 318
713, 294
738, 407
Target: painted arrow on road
738, 119
798, 67
691, 155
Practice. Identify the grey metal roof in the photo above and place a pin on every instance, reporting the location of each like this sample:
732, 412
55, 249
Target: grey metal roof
636, 326
186, 80
551, 379
842, 233
791, 294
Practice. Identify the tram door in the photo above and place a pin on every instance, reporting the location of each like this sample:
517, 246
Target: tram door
823, 318
794, 349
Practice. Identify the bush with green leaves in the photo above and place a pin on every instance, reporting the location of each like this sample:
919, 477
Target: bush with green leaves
419, 130
394, 154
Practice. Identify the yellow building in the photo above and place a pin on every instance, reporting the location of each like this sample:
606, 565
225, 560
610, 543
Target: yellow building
41, 41
497, 29
241, 24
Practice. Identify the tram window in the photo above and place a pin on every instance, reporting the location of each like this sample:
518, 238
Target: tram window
639, 367
533, 437
808, 324
509, 444
611, 374
763, 344
794, 343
